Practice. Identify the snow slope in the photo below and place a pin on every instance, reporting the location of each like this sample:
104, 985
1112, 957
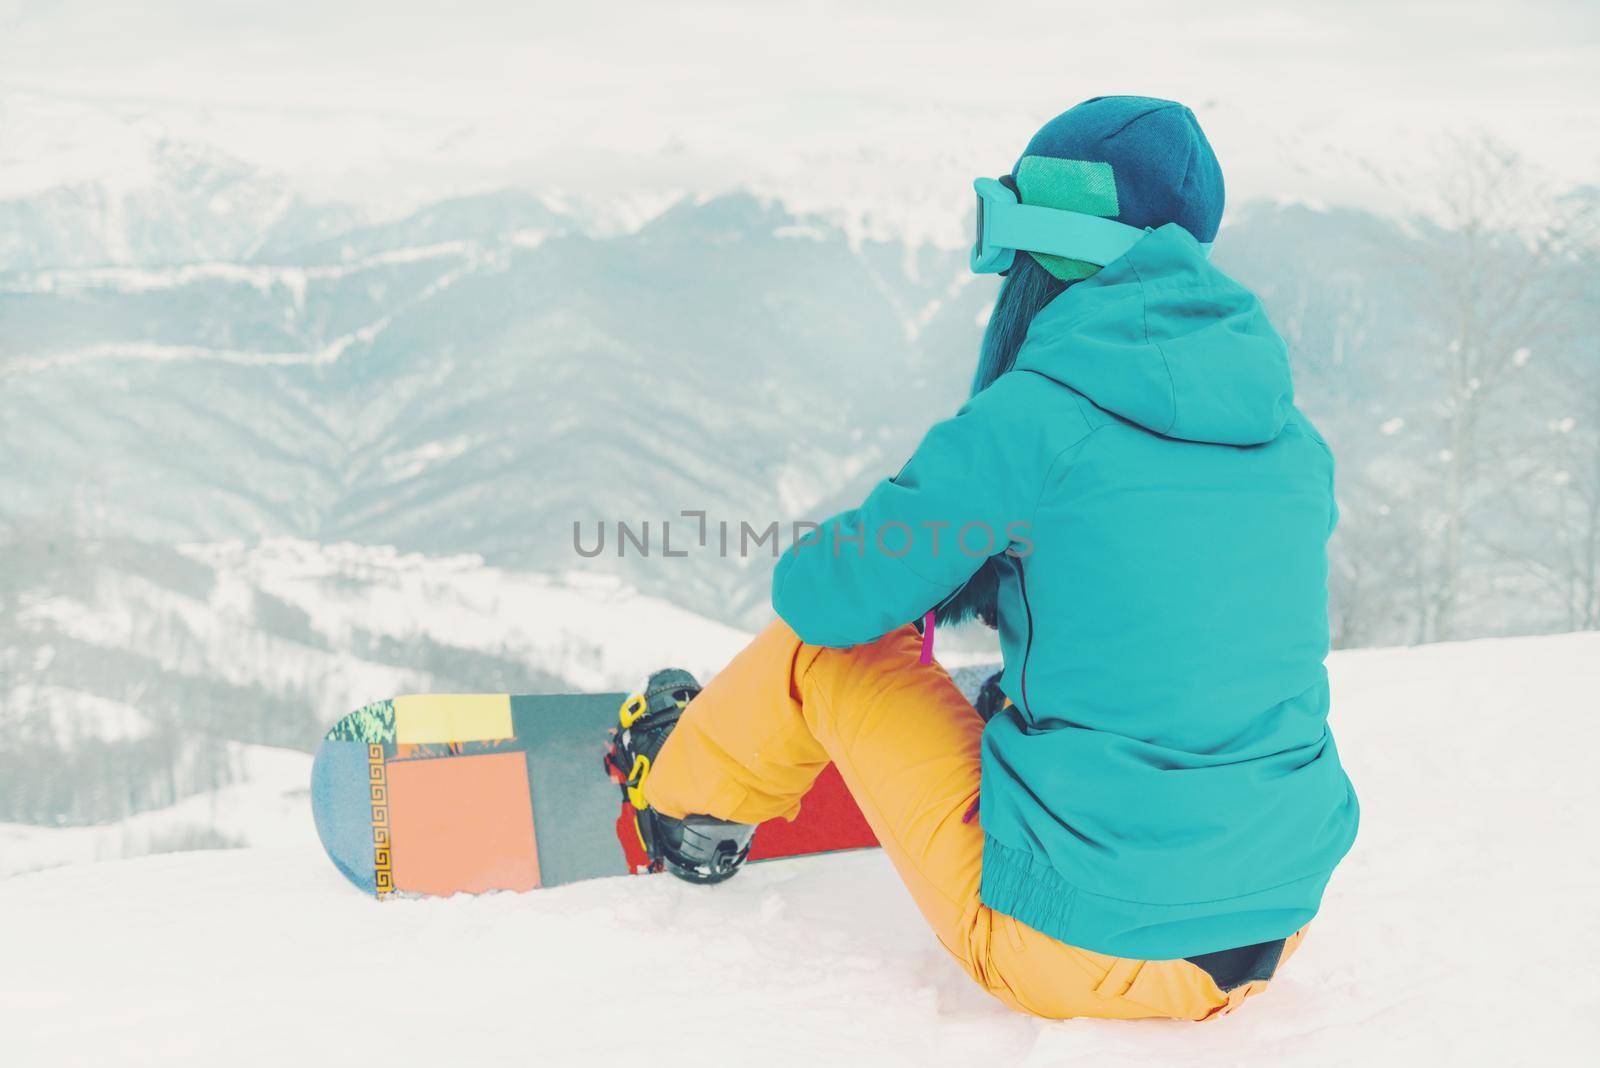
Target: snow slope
264, 806
1461, 930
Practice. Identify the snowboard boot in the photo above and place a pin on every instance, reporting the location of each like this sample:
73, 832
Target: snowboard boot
699, 849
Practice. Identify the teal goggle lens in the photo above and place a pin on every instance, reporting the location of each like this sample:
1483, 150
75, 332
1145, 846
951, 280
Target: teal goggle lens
988, 256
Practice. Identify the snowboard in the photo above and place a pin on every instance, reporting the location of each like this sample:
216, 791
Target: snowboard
439, 794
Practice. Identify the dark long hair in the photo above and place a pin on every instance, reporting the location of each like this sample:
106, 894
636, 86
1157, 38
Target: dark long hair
1027, 289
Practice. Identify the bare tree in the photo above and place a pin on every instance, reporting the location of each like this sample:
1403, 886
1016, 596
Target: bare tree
1571, 555
1550, 455
1492, 291
1557, 459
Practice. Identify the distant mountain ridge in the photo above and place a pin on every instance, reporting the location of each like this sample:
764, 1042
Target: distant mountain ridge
484, 372
480, 374
417, 382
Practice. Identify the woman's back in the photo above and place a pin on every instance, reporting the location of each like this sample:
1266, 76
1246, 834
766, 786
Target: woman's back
1165, 784
1168, 755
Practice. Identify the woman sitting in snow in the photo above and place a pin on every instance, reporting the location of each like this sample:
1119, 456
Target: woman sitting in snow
1161, 800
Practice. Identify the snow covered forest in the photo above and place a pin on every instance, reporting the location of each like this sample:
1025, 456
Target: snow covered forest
1473, 506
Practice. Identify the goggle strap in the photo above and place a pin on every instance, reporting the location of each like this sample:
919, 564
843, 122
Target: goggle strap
1056, 232
1053, 232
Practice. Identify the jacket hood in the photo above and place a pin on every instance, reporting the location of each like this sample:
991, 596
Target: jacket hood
1165, 340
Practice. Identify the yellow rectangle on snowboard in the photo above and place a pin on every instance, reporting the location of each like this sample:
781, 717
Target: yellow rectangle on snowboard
443, 717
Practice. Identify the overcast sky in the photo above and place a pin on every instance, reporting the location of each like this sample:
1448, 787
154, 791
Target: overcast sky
1306, 101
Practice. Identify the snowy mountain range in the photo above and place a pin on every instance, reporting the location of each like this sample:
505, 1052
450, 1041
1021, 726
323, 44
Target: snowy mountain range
416, 382
419, 382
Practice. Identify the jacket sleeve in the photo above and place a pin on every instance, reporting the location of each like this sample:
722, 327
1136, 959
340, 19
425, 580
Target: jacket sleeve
967, 494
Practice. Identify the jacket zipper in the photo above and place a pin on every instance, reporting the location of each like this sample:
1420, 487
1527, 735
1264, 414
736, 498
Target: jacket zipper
1027, 648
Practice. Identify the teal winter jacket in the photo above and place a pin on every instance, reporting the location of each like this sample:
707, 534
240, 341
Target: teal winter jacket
1164, 783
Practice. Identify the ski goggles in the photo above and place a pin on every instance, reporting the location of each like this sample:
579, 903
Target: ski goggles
1006, 226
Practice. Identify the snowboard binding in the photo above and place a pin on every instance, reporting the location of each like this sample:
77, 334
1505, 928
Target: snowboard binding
698, 849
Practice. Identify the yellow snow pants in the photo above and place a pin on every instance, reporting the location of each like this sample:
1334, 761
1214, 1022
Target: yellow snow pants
905, 741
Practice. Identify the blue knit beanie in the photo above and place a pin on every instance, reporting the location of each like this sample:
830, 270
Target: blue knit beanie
1138, 160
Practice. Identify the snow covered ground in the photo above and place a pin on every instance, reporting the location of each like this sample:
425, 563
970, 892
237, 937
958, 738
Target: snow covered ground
1462, 930
266, 807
